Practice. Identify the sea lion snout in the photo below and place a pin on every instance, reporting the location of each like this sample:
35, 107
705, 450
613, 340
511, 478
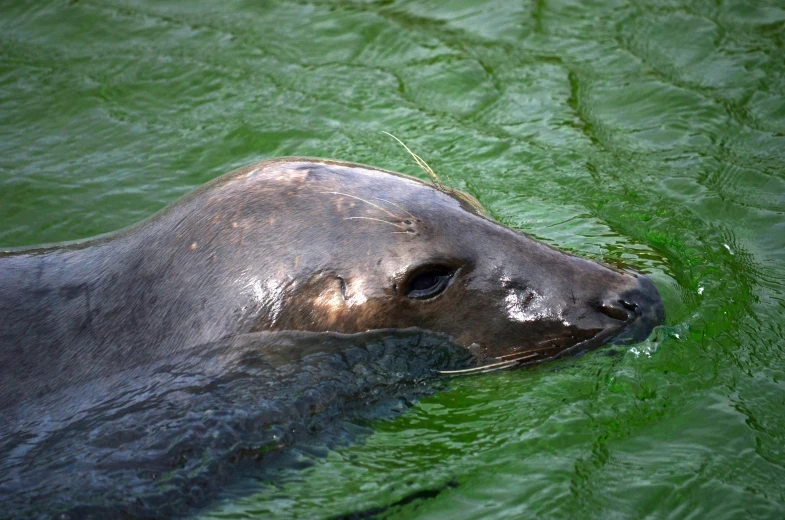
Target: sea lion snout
639, 306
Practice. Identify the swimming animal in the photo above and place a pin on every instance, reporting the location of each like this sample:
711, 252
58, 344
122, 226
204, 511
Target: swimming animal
137, 366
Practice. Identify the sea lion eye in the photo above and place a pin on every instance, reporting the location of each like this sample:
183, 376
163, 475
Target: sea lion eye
429, 283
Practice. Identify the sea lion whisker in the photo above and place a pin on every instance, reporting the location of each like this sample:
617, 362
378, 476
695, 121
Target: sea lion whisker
421, 163
529, 351
509, 363
397, 206
363, 200
541, 348
503, 364
379, 220
527, 355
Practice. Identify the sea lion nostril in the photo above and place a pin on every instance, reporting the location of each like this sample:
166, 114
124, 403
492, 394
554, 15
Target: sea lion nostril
633, 307
616, 310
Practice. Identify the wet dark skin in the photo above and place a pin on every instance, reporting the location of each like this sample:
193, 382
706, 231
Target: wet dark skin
309, 245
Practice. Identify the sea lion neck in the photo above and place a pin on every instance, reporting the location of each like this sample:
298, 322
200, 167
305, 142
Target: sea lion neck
62, 314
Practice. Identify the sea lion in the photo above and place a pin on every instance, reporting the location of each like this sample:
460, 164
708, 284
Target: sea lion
306, 245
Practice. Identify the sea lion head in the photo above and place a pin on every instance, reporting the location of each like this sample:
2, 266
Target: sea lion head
357, 249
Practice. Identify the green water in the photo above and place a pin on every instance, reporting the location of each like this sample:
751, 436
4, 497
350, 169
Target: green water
651, 133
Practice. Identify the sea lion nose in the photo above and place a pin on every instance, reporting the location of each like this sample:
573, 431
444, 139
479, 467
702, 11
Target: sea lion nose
639, 306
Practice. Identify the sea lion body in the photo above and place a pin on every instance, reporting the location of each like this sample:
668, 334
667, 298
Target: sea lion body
305, 245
